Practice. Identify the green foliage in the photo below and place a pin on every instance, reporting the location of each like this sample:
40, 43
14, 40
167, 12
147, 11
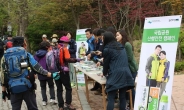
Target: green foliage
179, 66
45, 20
3, 18
181, 41
136, 33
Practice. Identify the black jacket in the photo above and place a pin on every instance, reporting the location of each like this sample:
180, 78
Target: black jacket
116, 68
73, 48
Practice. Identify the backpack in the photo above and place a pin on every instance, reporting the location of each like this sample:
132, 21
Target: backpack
52, 60
16, 61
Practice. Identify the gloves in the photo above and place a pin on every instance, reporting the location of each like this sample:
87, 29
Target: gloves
4, 95
55, 75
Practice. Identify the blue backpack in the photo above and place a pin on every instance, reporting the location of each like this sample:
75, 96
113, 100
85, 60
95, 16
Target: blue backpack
16, 61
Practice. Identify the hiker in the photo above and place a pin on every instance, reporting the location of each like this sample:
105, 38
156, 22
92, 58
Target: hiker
44, 38
152, 67
64, 59
19, 79
40, 57
116, 70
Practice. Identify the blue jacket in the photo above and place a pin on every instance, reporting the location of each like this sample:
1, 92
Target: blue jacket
116, 68
91, 46
98, 46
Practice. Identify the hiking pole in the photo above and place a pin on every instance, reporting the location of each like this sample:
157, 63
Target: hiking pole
148, 92
174, 102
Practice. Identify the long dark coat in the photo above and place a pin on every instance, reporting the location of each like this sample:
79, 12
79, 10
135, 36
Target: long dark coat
116, 68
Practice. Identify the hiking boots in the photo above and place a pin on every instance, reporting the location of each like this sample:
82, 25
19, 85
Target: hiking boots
69, 107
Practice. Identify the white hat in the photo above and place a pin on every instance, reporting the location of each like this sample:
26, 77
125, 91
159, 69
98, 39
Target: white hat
44, 35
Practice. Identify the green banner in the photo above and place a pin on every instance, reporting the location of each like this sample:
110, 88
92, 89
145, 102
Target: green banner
161, 35
81, 37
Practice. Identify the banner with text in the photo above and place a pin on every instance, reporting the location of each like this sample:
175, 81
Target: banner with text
82, 45
157, 61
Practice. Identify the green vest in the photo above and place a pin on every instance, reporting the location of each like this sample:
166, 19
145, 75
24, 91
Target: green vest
154, 66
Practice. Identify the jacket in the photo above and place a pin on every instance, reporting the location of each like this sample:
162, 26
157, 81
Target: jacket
90, 45
65, 58
163, 70
131, 59
152, 66
72, 48
40, 57
98, 46
116, 68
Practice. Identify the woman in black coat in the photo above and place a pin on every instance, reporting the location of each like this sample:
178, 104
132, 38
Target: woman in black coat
116, 70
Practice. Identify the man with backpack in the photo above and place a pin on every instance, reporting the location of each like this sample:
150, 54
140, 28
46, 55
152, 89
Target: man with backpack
17, 67
63, 56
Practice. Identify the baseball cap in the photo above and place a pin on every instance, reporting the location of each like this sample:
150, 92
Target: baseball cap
44, 35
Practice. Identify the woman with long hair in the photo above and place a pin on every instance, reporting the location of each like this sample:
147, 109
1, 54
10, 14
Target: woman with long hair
122, 38
116, 70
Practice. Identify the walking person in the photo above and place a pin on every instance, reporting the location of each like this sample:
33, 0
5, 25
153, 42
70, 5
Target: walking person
40, 57
19, 80
116, 70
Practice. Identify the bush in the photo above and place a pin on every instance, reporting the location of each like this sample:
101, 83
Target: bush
179, 66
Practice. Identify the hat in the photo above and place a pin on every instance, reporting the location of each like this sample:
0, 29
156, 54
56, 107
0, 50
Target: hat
9, 44
44, 35
54, 40
54, 36
64, 39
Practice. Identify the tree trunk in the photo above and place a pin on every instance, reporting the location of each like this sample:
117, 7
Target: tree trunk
100, 12
23, 20
140, 21
75, 16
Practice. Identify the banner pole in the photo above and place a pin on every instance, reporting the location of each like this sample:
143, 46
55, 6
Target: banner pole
174, 102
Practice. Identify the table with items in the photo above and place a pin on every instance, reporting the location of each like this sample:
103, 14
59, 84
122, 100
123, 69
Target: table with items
92, 72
